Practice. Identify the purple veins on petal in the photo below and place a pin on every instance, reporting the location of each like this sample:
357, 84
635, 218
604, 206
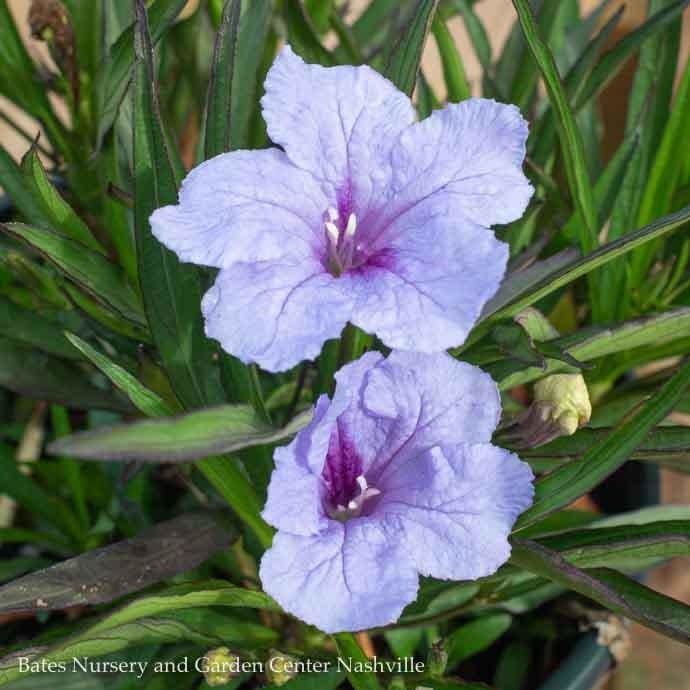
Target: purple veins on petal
395, 477
363, 216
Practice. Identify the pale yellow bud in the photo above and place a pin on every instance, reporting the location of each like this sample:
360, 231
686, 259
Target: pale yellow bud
220, 666
280, 668
564, 400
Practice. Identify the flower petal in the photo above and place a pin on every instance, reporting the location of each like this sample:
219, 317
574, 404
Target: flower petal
276, 314
426, 289
353, 576
339, 123
410, 402
243, 206
457, 506
472, 150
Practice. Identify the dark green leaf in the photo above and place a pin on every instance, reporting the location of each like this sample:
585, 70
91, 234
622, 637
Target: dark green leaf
219, 95
33, 329
116, 75
329, 680
571, 140
172, 291
29, 372
453, 69
105, 574
609, 588
303, 36
60, 215
90, 270
403, 61
474, 637
212, 431
351, 652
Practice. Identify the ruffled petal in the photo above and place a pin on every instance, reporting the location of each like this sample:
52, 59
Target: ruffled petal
352, 576
472, 150
410, 402
425, 288
339, 123
275, 314
456, 506
243, 206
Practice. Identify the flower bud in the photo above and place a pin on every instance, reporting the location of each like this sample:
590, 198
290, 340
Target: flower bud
280, 668
564, 399
219, 666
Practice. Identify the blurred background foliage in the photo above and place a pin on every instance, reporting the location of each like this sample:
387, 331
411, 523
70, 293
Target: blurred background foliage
100, 327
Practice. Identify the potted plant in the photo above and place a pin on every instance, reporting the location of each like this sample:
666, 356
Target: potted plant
318, 415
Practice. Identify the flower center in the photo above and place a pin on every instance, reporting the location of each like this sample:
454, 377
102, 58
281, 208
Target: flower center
354, 506
340, 241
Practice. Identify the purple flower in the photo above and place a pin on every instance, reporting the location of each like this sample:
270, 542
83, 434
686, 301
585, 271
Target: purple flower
393, 478
362, 216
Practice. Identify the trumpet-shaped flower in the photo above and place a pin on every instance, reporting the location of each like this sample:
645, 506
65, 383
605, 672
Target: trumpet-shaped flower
393, 478
363, 215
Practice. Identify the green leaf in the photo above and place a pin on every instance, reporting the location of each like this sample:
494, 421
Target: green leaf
351, 652
30, 495
103, 575
13, 181
116, 75
219, 94
36, 375
614, 59
453, 68
654, 330
524, 296
303, 36
664, 444
59, 214
89, 270
142, 398
631, 548
571, 141
171, 290
371, 21
254, 28
33, 329
202, 627
403, 60
571, 481
664, 175
212, 431
609, 588
474, 637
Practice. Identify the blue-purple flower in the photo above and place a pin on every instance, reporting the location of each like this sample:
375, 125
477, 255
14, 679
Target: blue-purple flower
393, 478
363, 215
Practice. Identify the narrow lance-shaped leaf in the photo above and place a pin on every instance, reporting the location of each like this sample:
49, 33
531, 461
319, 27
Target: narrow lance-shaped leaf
171, 290
105, 574
571, 481
61, 216
571, 141
453, 68
34, 374
200, 434
348, 648
90, 270
403, 61
609, 588
219, 95
116, 74
565, 274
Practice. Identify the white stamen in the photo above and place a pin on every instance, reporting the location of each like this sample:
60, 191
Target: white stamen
333, 233
362, 483
351, 226
332, 214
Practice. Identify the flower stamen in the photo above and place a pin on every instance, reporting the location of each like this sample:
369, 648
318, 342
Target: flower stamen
355, 505
340, 242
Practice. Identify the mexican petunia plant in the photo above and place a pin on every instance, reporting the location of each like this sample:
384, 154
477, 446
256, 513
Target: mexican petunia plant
364, 216
313, 351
